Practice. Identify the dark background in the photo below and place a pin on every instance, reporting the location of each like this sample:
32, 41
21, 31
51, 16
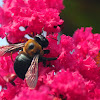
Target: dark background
81, 13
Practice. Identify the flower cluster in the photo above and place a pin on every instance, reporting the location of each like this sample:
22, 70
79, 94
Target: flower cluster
33, 15
75, 75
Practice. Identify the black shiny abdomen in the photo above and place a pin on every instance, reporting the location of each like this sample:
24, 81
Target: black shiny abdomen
21, 65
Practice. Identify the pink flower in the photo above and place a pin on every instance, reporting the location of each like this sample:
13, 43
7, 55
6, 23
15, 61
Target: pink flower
85, 42
75, 75
68, 85
6, 63
41, 94
97, 94
67, 57
2, 33
88, 68
97, 39
34, 14
82, 35
11, 91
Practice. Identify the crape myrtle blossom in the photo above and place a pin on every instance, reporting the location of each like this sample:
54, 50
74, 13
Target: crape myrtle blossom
33, 14
75, 75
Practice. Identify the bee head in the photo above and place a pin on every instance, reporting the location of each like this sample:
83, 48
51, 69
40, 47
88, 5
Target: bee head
41, 40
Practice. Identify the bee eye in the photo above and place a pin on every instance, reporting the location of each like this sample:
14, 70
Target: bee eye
31, 46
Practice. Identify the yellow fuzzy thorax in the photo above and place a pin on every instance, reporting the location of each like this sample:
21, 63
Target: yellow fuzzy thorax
37, 47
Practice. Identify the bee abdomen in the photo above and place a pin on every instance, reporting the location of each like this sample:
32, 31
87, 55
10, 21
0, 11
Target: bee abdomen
21, 65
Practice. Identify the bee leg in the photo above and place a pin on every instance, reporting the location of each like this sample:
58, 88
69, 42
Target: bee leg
46, 51
10, 78
11, 57
44, 59
13, 83
47, 59
44, 63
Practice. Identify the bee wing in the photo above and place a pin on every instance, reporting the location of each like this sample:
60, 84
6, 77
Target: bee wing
31, 75
11, 48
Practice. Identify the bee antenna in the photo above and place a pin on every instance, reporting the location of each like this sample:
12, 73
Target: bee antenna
53, 38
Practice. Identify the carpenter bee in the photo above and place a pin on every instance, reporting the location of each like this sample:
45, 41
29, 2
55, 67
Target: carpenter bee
26, 63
